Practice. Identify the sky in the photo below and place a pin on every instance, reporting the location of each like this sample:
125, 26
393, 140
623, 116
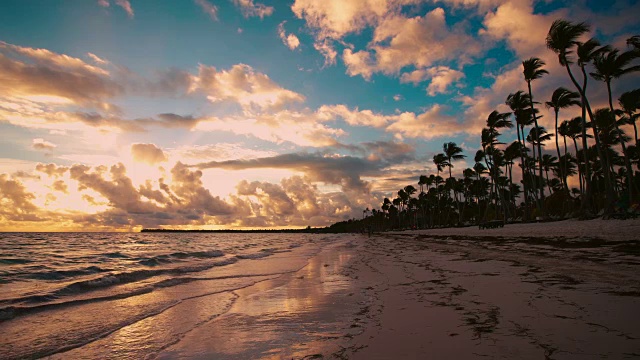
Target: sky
124, 114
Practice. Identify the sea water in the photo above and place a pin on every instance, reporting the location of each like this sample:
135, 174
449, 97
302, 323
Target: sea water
61, 291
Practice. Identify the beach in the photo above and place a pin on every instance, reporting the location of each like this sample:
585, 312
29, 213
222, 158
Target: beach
562, 290
425, 294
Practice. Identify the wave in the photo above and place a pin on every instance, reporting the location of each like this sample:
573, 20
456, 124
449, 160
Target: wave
14, 261
104, 282
179, 256
10, 312
64, 274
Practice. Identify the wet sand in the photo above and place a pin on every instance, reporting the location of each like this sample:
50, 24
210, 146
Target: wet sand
511, 293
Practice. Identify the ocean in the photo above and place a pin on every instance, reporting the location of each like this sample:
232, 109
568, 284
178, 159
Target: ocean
62, 291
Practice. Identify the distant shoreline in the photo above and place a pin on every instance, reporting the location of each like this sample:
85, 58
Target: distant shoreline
305, 230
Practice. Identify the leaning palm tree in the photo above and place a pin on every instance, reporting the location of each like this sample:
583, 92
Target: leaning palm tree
532, 70
586, 51
630, 103
562, 37
612, 65
562, 98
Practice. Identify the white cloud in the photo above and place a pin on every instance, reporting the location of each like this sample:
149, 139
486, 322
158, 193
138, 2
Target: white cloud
441, 77
42, 144
290, 40
242, 84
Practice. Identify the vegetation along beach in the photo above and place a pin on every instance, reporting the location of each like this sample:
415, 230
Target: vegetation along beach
336, 179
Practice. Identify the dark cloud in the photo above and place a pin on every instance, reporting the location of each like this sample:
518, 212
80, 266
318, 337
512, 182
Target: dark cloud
340, 170
47, 73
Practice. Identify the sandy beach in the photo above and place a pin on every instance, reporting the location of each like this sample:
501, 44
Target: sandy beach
563, 290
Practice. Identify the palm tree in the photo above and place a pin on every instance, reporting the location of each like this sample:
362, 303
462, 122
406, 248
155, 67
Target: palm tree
562, 36
634, 42
440, 161
586, 51
562, 98
630, 103
532, 70
453, 152
611, 65
512, 152
519, 103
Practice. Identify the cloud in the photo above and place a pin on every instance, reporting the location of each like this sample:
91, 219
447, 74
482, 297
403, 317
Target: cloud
353, 117
397, 97
301, 128
291, 40
428, 125
147, 153
58, 76
420, 41
98, 60
52, 169
16, 201
242, 84
516, 22
336, 18
126, 6
441, 77
331, 169
208, 8
41, 144
328, 52
249, 8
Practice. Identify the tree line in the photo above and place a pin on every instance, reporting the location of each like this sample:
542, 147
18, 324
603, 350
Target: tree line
592, 146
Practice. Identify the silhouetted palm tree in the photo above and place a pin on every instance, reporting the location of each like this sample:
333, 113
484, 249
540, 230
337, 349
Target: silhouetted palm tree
532, 70
563, 35
611, 65
630, 103
562, 98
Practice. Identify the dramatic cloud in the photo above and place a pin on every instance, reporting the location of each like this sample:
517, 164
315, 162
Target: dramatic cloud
291, 40
42, 144
337, 18
208, 8
245, 86
331, 169
147, 153
47, 74
249, 8
16, 201
419, 41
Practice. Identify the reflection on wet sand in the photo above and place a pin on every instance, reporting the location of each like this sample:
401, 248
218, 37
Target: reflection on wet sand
292, 316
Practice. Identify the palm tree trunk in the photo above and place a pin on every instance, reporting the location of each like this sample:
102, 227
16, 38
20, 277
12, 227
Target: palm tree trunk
524, 186
575, 144
535, 121
558, 151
